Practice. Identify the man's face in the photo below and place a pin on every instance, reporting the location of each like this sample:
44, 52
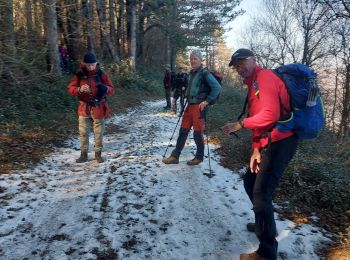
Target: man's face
90, 66
245, 67
195, 61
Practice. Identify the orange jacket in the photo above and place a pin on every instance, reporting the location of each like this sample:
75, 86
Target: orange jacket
266, 94
100, 109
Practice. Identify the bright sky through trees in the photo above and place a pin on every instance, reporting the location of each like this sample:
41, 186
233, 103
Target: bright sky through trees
237, 25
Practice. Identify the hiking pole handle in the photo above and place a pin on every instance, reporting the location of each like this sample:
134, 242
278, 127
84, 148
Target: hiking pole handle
231, 133
234, 134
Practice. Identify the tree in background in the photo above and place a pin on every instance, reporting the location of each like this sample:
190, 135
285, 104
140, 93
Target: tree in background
143, 32
51, 36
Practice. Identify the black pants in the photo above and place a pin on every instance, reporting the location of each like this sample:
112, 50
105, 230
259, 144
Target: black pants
167, 97
181, 94
260, 188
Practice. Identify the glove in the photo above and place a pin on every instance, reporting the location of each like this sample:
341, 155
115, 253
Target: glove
101, 91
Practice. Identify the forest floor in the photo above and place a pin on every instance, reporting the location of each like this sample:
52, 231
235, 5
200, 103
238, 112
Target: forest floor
133, 206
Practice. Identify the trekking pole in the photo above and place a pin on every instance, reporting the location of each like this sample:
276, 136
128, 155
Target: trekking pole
204, 116
171, 138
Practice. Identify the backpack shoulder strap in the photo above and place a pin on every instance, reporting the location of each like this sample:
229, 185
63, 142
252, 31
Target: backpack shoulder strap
244, 108
99, 73
256, 92
203, 74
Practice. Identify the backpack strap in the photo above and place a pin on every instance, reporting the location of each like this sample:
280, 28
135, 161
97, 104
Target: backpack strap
204, 72
280, 76
256, 89
244, 108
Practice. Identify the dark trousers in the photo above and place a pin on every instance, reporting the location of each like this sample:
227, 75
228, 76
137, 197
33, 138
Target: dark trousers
181, 94
260, 188
167, 96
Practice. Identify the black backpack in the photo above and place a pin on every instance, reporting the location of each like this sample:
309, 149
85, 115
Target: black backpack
181, 80
205, 87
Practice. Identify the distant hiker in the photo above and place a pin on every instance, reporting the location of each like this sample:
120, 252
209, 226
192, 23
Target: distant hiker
199, 95
91, 85
179, 89
272, 150
167, 86
63, 58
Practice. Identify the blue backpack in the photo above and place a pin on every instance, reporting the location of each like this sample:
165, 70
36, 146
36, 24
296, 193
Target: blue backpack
306, 117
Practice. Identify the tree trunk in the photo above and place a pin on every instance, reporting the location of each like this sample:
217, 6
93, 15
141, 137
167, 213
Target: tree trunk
120, 19
168, 50
140, 34
133, 35
344, 123
335, 98
105, 35
74, 33
87, 8
112, 21
8, 38
29, 17
51, 36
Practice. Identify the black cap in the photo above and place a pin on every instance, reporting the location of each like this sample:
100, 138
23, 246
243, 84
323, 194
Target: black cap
90, 57
239, 55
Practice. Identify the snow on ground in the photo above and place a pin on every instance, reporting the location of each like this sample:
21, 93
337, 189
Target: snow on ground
133, 206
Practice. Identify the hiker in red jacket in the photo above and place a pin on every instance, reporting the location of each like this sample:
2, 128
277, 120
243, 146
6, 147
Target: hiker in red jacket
91, 85
272, 150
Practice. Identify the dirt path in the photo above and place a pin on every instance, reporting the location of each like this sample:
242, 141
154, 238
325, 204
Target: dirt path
133, 206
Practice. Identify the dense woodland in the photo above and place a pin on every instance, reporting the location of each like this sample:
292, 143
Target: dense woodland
154, 33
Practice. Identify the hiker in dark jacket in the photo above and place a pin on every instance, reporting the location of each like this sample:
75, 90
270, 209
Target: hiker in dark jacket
167, 86
91, 85
179, 89
272, 150
198, 97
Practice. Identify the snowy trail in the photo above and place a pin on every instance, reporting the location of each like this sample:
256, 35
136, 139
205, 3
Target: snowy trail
133, 206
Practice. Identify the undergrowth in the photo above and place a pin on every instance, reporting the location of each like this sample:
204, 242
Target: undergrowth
37, 116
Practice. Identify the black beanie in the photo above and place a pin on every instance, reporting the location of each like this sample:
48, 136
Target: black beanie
90, 58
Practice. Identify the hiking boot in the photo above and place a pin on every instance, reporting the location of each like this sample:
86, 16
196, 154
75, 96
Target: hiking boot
171, 160
251, 256
83, 157
194, 161
98, 157
251, 227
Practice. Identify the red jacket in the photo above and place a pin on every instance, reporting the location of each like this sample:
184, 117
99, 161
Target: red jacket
167, 79
266, 94
99, 110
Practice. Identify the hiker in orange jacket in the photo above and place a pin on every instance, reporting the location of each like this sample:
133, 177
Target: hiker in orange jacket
91, 85
272, 150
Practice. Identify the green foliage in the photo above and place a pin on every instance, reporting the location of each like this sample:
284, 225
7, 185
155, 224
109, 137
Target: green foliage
29, 106
45, 104
318, 172
124, 77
